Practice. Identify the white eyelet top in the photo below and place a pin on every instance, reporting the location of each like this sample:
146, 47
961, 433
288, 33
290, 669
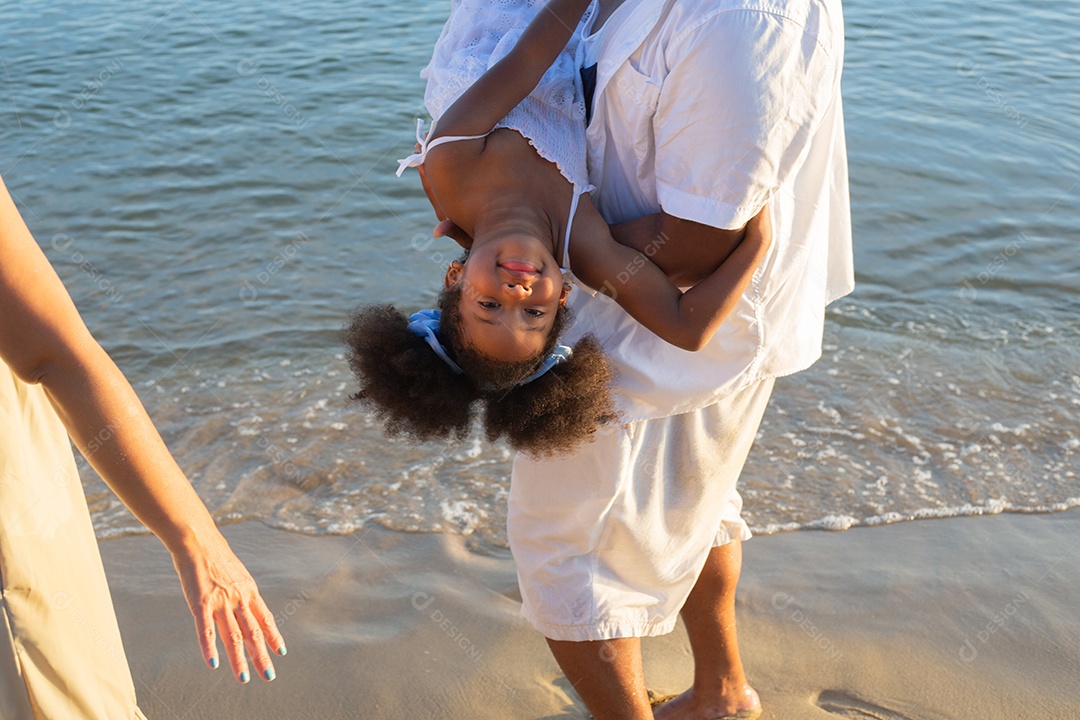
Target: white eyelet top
478, 34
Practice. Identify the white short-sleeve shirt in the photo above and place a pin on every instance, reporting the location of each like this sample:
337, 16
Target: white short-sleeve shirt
708, 109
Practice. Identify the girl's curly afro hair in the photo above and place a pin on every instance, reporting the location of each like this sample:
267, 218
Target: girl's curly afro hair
415, 394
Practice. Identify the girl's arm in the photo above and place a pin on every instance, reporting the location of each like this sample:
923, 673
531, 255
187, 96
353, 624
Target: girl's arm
510, 80
690, 251
43, 340
685, 319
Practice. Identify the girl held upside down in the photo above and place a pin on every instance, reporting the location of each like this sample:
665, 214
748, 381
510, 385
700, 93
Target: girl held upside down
504, 161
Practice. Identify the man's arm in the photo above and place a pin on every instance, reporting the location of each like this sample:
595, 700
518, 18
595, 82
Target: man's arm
686, 251
741, 100
685, 319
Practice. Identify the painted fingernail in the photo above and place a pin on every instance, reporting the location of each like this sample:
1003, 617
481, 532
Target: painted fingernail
214, 663
269, 674
282, 651
245, 677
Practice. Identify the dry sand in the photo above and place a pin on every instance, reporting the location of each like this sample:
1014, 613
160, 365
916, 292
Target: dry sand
959, 618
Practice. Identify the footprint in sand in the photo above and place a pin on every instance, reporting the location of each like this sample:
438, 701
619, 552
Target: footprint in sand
845, 705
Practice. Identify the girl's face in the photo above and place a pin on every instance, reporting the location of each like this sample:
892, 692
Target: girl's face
511, 290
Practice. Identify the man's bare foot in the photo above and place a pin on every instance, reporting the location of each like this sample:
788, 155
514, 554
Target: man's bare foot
741, 705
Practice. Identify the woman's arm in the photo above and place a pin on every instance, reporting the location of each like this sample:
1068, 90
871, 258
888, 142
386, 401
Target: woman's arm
510, 80
685, 319
43, 340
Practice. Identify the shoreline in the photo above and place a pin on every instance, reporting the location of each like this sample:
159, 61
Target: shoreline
948, 618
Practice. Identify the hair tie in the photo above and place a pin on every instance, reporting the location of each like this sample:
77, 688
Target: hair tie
561, 353
425, 324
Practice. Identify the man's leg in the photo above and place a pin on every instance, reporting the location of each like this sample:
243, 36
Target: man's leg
608, 676
562, 531
720, 688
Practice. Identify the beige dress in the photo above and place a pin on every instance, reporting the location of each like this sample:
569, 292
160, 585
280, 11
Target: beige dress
60, 649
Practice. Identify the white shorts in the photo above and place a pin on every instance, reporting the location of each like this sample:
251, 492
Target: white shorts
609, 540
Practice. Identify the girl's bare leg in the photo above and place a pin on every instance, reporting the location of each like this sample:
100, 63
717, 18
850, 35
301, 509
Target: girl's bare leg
608, 676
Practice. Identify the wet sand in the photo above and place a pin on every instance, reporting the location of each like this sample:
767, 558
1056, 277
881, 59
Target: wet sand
957, 618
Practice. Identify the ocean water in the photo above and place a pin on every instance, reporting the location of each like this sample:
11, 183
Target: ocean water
214, 183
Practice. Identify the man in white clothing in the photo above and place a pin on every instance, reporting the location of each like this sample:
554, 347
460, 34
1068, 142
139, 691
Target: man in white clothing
702, 112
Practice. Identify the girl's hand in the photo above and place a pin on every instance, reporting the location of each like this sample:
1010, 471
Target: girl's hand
224, 599
759, 228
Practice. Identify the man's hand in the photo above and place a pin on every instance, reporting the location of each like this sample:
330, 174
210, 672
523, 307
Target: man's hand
446, 228
432, 198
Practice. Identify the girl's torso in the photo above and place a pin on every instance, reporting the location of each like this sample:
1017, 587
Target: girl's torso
471, 178
541, 163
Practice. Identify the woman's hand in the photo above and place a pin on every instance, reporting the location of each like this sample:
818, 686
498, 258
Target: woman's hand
225, 601
43, 340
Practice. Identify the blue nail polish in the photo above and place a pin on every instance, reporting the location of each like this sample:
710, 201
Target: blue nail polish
245, 677
282, 651
269, 674
214, 663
